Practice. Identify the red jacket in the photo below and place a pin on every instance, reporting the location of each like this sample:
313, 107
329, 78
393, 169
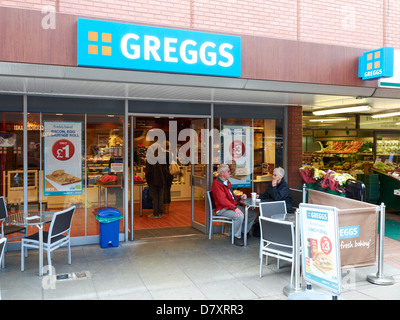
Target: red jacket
222, 196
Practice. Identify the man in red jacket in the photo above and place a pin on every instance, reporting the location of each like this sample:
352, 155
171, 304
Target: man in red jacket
227, 204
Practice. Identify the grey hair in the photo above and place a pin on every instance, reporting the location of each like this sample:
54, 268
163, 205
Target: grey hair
280, 171
222, 168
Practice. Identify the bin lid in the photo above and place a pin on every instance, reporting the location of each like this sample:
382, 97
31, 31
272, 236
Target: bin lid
108, 213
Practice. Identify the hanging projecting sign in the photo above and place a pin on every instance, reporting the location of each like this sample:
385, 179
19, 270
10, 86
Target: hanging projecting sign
62, 158
127, 46
320, 250
376, 63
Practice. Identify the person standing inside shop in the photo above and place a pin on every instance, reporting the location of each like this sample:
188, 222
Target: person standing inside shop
227, 204
156, 174
278, 190
169, 179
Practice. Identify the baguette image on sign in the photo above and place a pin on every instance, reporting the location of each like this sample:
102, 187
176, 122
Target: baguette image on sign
62, 158
319, 240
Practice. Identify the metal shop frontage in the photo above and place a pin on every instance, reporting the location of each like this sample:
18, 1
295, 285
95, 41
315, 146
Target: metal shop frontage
76, 126
91, 153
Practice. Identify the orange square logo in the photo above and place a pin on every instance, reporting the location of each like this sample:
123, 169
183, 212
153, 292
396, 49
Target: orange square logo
377, 64
93, 49
106, 51
369, 56
106, 37
369, 66
377, 54
93, 36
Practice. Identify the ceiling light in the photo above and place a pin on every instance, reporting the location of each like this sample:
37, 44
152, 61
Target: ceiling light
329, 120
384, 115
341, 110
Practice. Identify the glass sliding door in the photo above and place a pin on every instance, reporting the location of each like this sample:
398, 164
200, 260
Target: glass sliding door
200, 172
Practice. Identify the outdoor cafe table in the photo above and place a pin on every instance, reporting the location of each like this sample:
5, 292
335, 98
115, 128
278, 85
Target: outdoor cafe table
33, 218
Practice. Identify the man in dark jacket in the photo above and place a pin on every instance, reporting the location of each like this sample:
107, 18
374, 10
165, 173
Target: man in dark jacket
278, 190
227, 204
156, 177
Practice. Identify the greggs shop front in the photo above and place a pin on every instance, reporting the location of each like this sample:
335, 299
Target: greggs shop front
82, 105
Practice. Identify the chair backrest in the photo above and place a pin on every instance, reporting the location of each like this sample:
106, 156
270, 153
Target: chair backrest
61, 222
277, 231
268, 209
3, 208
297, 197
211, 201
3, 242
355, 190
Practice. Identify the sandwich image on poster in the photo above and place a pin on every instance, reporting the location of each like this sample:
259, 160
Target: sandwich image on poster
62, 178
323, 262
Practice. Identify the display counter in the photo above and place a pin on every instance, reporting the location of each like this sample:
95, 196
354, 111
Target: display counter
389, 185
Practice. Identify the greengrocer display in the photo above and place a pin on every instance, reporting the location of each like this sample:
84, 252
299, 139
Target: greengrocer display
388, 168
342, 156
325, 181
389, 183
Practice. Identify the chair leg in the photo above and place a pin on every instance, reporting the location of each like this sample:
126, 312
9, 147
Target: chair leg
291, 276
210, 232
232, 233
22, 256
50, 271
261, 265
69, 252
3, 259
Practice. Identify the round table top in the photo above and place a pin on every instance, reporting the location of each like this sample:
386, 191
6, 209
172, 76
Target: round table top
33, 218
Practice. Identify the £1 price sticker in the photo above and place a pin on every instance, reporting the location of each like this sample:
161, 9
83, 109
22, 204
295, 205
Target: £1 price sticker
63, 150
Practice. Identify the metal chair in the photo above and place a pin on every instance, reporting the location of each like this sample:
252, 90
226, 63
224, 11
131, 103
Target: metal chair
277, 240
57, 236
216, 218
355, 190
297, 197
6, 230
3, 242
271, 208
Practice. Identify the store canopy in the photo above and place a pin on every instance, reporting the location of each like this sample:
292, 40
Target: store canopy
50, 80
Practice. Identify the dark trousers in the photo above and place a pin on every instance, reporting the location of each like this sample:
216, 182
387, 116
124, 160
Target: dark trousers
157, 194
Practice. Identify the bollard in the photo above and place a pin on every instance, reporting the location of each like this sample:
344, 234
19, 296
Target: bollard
379, 278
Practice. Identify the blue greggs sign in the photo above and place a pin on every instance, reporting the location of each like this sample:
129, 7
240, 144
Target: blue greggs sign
126, 46
376, 63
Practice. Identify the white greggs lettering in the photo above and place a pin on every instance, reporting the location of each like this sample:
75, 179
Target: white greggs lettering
133, 47
377, 72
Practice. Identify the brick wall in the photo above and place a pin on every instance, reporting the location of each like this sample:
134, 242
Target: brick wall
356, 23
294, 145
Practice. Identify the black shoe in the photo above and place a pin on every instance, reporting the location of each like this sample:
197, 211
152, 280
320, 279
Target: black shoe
238, 242
248, 235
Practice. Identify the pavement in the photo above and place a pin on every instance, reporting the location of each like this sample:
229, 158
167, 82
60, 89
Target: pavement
189, 267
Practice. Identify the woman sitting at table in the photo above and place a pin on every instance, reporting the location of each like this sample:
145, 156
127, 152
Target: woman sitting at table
278, 190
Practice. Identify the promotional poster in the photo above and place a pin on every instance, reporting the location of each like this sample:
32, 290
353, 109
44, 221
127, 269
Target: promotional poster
62, 158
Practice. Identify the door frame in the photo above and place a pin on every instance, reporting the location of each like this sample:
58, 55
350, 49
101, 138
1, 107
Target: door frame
128, 140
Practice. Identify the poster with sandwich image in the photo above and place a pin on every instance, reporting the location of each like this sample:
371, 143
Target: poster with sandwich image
237, 154
320, 249
62, 158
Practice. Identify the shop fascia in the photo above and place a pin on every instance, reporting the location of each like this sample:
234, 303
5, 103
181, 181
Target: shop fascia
235, 143
109, 44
